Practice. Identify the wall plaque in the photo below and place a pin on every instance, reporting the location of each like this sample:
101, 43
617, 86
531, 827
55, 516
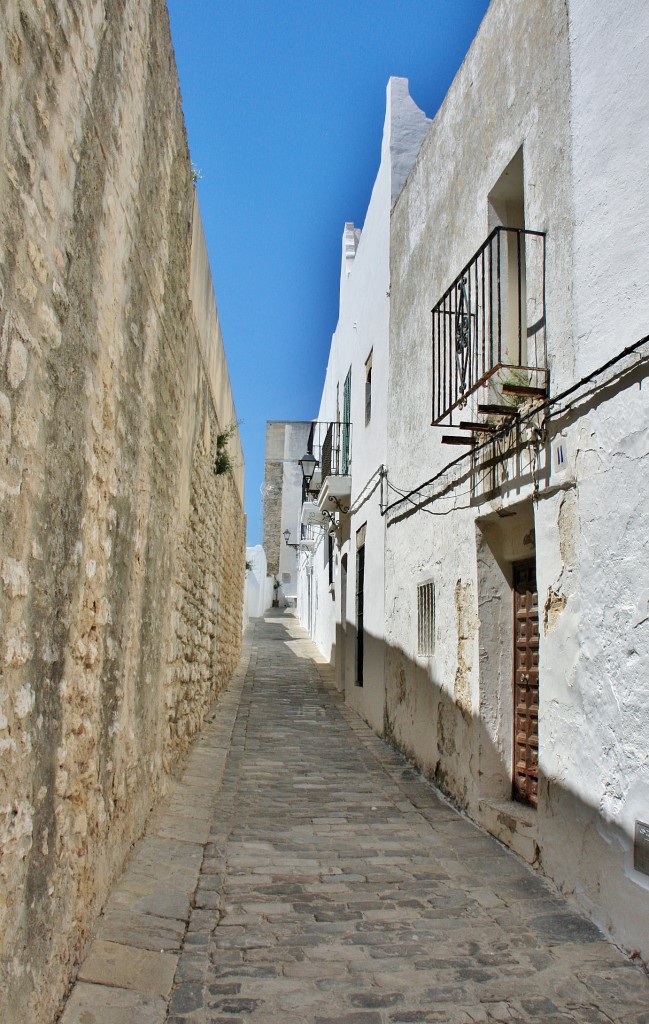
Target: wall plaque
641, 847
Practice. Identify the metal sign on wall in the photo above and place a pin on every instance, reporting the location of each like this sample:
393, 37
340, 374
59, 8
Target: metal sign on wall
641, 847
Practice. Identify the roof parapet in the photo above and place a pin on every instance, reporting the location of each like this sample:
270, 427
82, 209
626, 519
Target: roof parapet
406, 127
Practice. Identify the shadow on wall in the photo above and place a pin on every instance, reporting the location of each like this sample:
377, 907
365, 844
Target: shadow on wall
568, 839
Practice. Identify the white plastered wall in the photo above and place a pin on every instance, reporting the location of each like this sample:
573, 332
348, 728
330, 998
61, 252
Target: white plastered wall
500, 101
573, 94
363, 329
598, 650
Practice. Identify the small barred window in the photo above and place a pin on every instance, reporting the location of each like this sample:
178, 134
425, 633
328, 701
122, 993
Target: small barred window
426, 619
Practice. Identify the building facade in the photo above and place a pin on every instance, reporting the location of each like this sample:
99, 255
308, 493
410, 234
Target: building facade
502, 581
286, 443
341, 594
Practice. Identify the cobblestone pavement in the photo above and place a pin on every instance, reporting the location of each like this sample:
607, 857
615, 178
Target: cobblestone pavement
303, 873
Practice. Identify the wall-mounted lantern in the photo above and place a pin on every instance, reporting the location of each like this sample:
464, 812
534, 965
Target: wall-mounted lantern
308, 465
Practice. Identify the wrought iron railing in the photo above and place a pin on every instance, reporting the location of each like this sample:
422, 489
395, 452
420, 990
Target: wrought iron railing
489, 326
330, 443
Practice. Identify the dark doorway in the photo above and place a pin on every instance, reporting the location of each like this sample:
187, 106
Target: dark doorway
360, 601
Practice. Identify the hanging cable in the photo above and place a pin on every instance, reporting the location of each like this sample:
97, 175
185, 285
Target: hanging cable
368, 489
420, 508
503, 432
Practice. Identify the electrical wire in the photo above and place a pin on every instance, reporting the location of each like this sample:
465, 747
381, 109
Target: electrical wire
420, 508
368, 488
548, 404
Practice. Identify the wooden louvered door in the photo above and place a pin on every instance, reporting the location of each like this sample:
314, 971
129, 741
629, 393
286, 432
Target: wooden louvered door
526, 683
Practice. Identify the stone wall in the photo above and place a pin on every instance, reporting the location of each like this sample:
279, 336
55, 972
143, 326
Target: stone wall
208, 596
286, 443
121, 551
273, 493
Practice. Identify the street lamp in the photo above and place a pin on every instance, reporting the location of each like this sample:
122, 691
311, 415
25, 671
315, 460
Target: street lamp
308, 465
286, 535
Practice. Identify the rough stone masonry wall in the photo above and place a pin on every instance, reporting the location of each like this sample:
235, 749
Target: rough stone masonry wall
208, 595
273, 489
121, 554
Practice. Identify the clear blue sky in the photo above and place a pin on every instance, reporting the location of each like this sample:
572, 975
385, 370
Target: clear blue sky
284, 103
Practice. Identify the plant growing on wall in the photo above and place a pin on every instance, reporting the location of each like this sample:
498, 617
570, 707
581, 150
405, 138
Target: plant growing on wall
222, 460
517, 378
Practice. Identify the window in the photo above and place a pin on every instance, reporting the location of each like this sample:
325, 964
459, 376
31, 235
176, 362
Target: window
368, 389
488, 329
347, 408
426, 619
506, 208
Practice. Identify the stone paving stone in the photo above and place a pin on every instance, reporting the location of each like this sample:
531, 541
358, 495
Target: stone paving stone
121, 966
100, 1004
145, 931
326, 882
159, 903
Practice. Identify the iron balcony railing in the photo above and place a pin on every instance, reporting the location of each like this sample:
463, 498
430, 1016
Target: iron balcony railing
489, 326
331, 444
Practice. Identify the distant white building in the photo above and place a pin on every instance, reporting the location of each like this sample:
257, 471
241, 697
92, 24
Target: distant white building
259, 586
482, 583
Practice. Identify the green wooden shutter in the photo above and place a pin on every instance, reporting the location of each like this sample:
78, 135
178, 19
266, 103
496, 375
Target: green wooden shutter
347, 408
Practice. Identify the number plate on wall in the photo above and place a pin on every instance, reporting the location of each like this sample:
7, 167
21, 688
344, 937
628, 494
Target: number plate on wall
641, 847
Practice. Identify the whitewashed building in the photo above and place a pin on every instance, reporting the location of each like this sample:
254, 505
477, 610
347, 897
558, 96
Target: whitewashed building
492, 570
341, 592
258, 590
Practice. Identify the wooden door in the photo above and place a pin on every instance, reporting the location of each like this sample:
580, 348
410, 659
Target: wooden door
526, 683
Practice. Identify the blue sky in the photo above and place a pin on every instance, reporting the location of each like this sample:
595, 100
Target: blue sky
284, 103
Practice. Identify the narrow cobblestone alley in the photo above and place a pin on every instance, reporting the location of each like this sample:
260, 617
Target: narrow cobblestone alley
301, 872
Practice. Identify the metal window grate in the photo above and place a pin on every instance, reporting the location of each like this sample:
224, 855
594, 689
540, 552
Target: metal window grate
490, 323
347, 406
426, 619
330, 444
368, 388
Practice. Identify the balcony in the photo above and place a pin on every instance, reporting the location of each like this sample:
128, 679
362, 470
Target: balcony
489, 336
310, 515
330, 444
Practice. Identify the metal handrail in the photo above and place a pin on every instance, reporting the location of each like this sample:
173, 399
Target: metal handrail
490, 319
330, 443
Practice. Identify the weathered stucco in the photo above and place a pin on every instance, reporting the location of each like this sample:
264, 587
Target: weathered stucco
361, 331
541, 129
121, 559
565, 90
